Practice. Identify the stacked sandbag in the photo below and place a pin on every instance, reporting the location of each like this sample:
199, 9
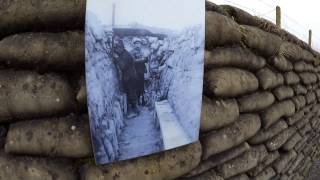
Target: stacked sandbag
260, 114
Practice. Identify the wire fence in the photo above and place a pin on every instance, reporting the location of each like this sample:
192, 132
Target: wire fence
290, 24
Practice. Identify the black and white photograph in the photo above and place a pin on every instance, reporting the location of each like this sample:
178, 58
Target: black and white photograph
144, 75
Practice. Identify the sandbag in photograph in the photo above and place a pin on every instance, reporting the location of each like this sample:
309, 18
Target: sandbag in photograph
144, 75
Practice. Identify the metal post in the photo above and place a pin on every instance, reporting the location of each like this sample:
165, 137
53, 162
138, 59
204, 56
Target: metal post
113, 14
310, 37
278, 16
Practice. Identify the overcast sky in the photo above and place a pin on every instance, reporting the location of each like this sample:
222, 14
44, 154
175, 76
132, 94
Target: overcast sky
170, 14
298, 15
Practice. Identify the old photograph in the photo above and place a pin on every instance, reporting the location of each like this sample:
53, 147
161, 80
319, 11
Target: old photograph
144, 73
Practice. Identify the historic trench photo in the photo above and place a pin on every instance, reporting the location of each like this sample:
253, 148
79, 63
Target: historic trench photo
144, 75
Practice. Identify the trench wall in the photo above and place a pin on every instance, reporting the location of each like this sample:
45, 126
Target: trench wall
260, 111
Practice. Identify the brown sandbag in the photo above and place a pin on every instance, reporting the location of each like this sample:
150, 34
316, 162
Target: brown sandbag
296, 117
280, 164
302, 66
265, 134
283, 92
221, 140
255, 102
308, 78
281, 63
292, 142
311, 97
269, 159
26, 95
269, 79
41, 15
299, 102
266, 174
291, 78
208, 175
220, 30
276, 111
264, 42
82, 93
218, 113
62, 137
167, 165
233, 57
299, 89
32, 168
230, 82
240, 177
277, 141
58, 51
243, 163
219, 159
291, 51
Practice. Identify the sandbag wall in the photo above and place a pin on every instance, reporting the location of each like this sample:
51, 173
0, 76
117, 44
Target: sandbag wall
259, 116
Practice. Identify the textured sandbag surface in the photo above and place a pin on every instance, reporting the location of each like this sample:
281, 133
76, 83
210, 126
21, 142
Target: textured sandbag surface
221, 30
26, 94
31, 168
218, 113
37, 15
168, 165
218, 141
233, 57
230, 82
265, 43
251, 66
51, 137
255, 102
60, 51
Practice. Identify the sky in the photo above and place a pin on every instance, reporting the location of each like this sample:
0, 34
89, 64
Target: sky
169, 14
297, 16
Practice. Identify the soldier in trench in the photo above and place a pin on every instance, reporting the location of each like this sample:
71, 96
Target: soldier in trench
129, 76
140, 66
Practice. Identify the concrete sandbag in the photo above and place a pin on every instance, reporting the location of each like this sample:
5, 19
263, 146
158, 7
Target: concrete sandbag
296, 117
277, 141
208, 175
283, 161
61, 137
255, 102
220, 30
311, 97
266, 134
281, 63
26, 95
41, 15
283, 92
230, 82
166, 165
44, 51
219, 159
291, 51
33, 168
240, 177
299, 89
233, 57
241, 164
266, 174
268, 160
292, 141
308, 78
81, 96
299, 102
291, 78
276, 111
264, 42
269, 79
218, 113
231, 136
